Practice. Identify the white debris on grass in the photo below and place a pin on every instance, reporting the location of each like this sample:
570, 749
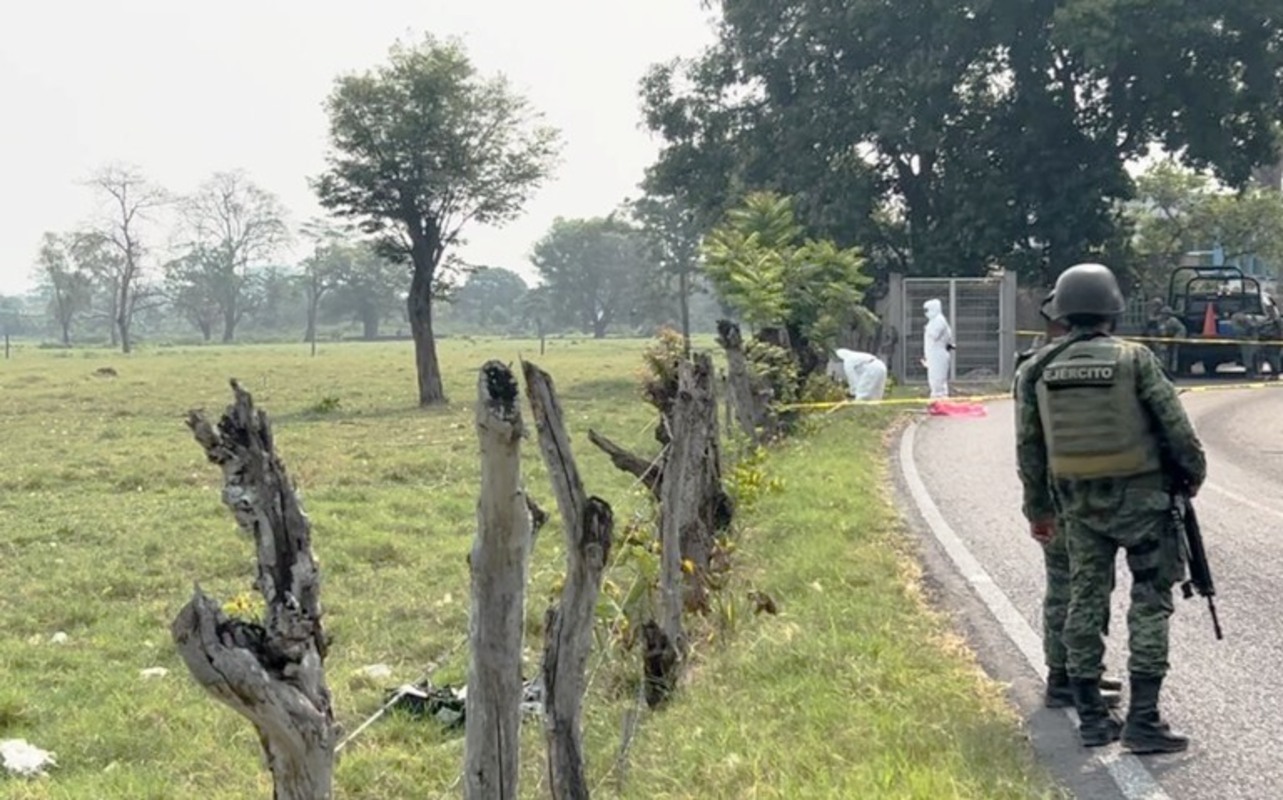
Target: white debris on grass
59, 638
377, 671
154, 672
24, 759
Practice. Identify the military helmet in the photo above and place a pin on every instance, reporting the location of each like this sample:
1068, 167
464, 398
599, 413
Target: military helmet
1087, 289
1044, 308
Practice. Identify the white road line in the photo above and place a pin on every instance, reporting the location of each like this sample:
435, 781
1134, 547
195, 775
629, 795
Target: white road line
1131, 776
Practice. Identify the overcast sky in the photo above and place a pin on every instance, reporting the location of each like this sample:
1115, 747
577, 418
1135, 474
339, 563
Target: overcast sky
185, 89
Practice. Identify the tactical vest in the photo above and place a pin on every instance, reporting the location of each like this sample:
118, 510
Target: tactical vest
1092, 418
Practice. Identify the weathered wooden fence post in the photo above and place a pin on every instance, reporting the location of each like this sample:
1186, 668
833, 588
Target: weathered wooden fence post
272, 674
748, 409
588, 522
500, 557
682, 532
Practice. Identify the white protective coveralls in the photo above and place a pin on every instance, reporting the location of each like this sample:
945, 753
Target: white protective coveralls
866, 374
937, 341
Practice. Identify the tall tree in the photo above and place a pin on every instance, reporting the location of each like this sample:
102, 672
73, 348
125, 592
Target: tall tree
594, 270
67, 283
366, 286
276, 300
490, 297
320, 270
947, 136
232, 225
193, 283
420, 148
536, 307
130, 201
673, 233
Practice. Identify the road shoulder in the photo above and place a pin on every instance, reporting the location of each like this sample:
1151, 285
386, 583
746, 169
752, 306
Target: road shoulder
1050, 732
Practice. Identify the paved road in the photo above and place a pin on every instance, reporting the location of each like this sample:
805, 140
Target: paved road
1225, 694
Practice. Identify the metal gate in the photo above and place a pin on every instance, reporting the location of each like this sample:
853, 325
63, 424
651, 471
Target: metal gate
982, 312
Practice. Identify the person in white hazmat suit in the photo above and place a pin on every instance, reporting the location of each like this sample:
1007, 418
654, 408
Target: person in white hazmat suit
866, 374
937, 348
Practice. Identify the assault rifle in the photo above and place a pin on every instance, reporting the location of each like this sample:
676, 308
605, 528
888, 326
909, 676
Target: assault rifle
1200, 573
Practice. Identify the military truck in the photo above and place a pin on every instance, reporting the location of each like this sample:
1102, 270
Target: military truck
1227, 291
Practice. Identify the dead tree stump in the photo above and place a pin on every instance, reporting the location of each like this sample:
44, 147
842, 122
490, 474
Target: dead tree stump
500, 560
692, 500
749, 410
683, 537
588, 522
272, 674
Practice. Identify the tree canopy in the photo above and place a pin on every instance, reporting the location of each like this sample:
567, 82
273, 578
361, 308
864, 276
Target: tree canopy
421, 147
1179, 211
491, 297
594, 270
762, 267
945, 137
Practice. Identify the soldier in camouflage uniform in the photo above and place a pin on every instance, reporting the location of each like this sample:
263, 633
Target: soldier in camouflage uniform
1253, 328
1169, 327
1153, 315
1102, 441
1055, 604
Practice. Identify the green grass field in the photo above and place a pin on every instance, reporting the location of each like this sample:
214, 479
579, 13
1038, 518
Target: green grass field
109, 513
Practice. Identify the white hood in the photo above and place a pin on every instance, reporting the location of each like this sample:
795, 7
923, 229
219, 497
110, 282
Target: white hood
932, 307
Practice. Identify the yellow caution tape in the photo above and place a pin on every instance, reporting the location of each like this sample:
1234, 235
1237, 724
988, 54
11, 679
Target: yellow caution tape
986, 398
893, 401
1217, 340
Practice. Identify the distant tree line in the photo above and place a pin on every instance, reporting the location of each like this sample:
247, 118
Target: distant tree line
924, 137
205, 267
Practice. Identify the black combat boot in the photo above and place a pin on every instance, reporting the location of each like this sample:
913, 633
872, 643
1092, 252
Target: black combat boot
1059, 694
1145, 732
1096, 726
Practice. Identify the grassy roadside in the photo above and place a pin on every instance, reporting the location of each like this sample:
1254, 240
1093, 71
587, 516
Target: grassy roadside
108, 513
856, 689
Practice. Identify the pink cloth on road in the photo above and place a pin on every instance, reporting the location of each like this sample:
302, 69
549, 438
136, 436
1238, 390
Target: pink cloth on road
953, 408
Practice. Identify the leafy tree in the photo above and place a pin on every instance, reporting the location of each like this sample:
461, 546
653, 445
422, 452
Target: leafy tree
115, 247
1178, 211
194, 283
673, 233
490, 297
944, 136
421, 147
13, 320
367, 287
277, 296
761, 265
536, 308
320, 271
68, 285
232, 225
594, 271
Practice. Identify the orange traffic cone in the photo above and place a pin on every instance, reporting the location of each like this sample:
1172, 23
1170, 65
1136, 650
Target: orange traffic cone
1209, 320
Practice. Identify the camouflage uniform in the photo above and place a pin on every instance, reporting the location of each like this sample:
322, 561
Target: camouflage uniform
1257, 328
1101, 514
1102, 442
1153, 315
1169, 327
1056, 595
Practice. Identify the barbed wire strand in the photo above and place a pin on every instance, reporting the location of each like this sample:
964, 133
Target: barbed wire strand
400, 693
600, 661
